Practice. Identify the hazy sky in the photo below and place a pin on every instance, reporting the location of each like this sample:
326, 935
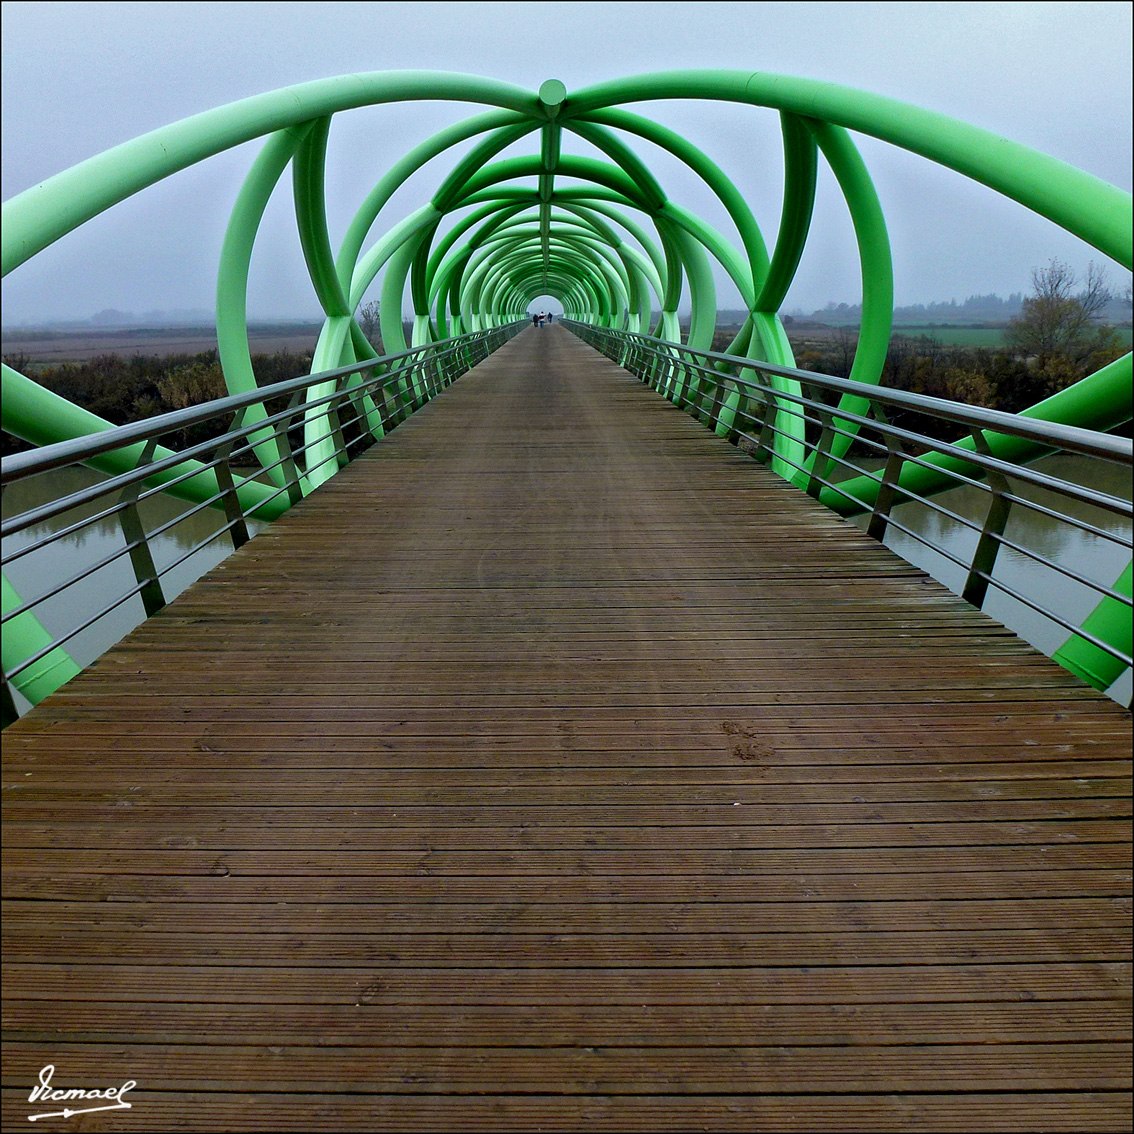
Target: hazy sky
80, 78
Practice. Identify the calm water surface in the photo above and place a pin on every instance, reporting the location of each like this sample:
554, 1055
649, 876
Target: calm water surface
39, 571
1101, 560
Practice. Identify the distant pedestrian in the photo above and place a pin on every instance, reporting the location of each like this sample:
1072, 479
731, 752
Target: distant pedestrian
535, 319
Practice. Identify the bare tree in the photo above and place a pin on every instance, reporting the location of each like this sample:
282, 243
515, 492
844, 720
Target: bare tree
1058, 321
845, 342
368, 320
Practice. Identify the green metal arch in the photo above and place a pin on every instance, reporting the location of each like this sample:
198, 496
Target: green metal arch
601, 235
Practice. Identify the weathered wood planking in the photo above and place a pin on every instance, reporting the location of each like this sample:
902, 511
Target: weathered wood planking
554, 766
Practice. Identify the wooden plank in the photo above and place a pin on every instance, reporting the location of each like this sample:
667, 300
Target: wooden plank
626, 1071
1074, 1113
555, 765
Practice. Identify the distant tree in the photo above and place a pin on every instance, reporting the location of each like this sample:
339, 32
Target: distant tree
969, 386
192, 384
19, 362
368, 320
844, 345
1058, 324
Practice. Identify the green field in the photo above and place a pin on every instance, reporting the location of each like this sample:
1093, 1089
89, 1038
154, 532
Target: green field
971, 336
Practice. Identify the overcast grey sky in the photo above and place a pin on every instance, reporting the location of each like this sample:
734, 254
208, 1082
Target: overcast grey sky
79, 78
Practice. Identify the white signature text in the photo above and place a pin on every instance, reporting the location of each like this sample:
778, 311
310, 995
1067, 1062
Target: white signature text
45, 1094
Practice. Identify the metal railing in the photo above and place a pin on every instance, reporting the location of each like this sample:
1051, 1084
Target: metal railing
736, 398
309, 426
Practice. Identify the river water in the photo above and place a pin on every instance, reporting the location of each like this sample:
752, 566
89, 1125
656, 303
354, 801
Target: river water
1100, 559
39, 571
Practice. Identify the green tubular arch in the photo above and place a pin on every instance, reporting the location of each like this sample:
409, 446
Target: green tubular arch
653, 263
233, 350
399, 173
1084, 205
518, 251
800, 172
710, 173
39, 216
517, 240
877, 273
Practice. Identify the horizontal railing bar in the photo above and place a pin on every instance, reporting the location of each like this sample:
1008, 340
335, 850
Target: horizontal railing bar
982, 460
106, 560
1069, 437
699, 382
15, 671
1038, 479
174, 564
1036, 557
1082, 525
145, 472
927, 502
63, 533
63, 453
1114, 504
1078, 631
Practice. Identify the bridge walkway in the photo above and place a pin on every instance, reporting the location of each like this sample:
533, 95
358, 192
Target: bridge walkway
557, 766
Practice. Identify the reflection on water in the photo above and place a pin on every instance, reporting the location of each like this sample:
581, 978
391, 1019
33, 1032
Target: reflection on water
1097, 558
39, 571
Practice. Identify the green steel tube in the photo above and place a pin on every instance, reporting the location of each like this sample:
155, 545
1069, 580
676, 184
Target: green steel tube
1101, 402
506, 242
24, 637
1089, 208
1110, 622
877, 273
232, 282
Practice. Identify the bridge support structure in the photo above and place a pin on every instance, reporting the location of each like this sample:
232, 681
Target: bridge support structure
600, 233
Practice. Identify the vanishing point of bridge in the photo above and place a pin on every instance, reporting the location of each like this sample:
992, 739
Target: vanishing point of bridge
560, 762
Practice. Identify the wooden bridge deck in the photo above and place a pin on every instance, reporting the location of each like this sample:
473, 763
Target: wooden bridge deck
556, 766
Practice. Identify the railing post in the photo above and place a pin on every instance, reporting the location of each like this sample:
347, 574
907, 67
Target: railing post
743, 408
995, 520
334, 425
141, 559
826, 436
402, 391
887, 493
237, 528
8, 711
432, 373
718, 400
681, 388
765, 443
355, 400
287, 454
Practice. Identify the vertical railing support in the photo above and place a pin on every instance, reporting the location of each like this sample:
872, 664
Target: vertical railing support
995, 521
765, 443
286, 453
141, 559
234, 514
826, 438
887, 493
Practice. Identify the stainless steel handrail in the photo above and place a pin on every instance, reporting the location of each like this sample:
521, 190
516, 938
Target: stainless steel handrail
392, 387
700, 381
